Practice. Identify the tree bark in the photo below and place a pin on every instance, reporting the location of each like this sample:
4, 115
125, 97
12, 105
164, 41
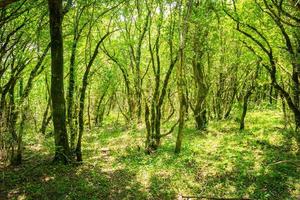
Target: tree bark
245, 108
201, 92
62, 151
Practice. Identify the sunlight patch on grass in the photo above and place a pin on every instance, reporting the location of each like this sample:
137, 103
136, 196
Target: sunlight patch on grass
222, 161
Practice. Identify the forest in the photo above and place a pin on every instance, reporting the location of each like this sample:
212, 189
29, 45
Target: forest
150, 99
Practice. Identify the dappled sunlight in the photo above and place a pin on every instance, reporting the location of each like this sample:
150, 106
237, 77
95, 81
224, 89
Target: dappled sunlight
149, 99
249, 164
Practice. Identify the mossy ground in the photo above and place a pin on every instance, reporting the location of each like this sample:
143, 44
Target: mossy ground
258, 163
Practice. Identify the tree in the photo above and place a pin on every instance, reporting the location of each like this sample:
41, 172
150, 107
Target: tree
180, 72
262, 41
62, 151
153, 114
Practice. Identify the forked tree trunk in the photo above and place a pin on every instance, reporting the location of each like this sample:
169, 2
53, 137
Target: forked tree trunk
153, 126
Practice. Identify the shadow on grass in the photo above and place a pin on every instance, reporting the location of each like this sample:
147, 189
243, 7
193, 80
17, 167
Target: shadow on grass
275, 178
221, 162
39, 179
161, 188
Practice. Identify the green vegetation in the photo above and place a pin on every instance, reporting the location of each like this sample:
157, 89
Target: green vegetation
259, 163
150, 99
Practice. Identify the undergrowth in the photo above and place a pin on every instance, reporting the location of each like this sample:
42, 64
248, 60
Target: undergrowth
258, 163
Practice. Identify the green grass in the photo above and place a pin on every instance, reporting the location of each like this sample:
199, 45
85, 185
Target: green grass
258, 163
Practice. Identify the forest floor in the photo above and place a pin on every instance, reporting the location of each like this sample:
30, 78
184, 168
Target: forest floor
258, 163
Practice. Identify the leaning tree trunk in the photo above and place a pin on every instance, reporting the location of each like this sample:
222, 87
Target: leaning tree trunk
62, 150
82, 96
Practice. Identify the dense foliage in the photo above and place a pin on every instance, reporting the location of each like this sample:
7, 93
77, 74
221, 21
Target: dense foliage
166, 70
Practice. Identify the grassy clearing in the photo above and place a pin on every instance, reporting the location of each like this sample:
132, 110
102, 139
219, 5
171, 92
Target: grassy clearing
259, 163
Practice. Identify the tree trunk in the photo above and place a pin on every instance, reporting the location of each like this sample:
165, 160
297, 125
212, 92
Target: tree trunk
182, 111
71, 89
46, 119
18, 158
12, 120
227, 113
62, 151
148, 129
82, 96
80, 120
271, 95
180, 78
153, 129
99, 114
201, 93
245, 107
